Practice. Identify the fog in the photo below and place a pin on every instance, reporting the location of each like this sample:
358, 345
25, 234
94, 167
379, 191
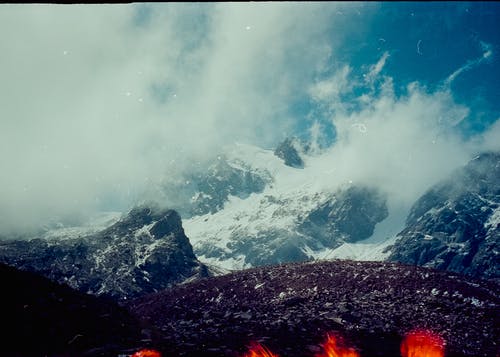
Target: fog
101, 103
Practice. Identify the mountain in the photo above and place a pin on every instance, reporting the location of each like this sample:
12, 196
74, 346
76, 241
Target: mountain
145, 251
43, 318
350, 217
290, 308
248, 208
455, 225
293, 218
304, 212
208, 186
222, 179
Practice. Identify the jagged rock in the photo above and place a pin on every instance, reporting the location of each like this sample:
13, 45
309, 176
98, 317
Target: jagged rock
207, 190
170, 223
350, 216
456, 224
224, 179
288, 152
145, 251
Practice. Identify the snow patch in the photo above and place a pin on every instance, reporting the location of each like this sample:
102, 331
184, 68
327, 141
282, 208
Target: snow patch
95, 224
494, 220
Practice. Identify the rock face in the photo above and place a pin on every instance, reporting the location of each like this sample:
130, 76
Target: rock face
43, 318
350, 217
146, 251
289, 153
209, 186
455, 226
291, 229
224, 179
290, 308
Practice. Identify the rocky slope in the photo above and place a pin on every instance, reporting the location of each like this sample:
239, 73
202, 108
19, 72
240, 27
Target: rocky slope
145, 251
43, 318
223, 179
290, 308
455, 226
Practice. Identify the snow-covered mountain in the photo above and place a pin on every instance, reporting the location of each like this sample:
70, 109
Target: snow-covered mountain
306, 212
456, 224
298, 215
250, 208
144, 251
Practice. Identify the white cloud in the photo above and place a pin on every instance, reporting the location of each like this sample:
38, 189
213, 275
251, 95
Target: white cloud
376, 68
405, 145
331, 88
400, 144
100, 104
490, 140
487, 54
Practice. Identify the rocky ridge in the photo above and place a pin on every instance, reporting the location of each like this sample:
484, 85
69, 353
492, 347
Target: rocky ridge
144, 252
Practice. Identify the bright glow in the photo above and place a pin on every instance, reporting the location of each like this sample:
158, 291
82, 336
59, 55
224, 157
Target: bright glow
422, 343
334, 346
147, 353
257, 350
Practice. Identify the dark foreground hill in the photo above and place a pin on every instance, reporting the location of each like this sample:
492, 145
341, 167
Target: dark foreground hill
42, 318
290, 308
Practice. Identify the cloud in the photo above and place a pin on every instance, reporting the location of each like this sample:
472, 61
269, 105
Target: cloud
376, 68
101, 103
331, 88
487, 55
401, 144
490, 139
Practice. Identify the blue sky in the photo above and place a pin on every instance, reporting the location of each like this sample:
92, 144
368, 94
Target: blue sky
103, 104
427, 43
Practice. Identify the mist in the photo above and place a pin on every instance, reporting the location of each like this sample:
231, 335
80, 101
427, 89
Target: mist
401, 144
100, 103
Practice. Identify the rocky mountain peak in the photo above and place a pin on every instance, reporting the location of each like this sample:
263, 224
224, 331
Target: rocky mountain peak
138, 217
144, 252
288, 151
455, 224
169, 223
350, 216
